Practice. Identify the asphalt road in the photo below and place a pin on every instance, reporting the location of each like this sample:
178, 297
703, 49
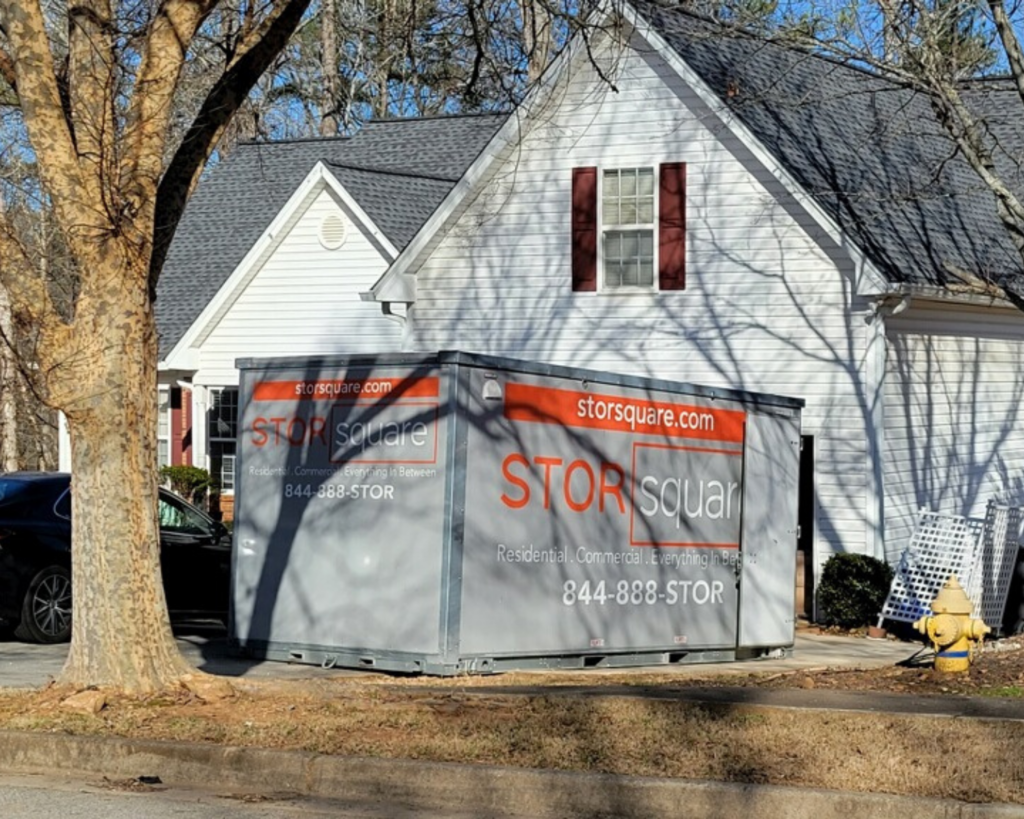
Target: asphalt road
43, 797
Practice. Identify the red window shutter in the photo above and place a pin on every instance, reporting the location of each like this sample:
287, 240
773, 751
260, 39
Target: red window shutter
584, 229
186, 427
672, 226
181, 426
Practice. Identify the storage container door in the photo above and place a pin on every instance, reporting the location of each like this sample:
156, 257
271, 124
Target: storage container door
771, 472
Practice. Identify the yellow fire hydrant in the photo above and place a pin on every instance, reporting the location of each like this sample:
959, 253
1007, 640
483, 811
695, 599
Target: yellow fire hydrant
955, 635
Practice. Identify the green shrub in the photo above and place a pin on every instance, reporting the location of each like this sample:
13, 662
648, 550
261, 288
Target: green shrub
191, 482
852, 590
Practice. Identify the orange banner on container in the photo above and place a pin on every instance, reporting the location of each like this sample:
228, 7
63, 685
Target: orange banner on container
347, 390
616, 413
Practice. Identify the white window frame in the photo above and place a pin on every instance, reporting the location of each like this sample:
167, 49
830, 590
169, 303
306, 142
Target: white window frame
605, 228
164, 415
227, 467
212, 394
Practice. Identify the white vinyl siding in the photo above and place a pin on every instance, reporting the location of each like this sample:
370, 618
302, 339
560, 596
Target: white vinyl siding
304, 300
954, 416
766, 306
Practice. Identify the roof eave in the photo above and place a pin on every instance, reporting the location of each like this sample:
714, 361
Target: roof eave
966, 296
398, 289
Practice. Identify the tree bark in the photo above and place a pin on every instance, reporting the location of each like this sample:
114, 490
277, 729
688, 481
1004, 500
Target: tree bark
538, 37
11, 392
329, 118
117, 201
8, 384
121, 635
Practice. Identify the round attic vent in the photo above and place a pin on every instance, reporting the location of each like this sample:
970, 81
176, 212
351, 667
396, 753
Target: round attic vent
333, 231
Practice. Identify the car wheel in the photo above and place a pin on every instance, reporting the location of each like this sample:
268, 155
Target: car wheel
46, 609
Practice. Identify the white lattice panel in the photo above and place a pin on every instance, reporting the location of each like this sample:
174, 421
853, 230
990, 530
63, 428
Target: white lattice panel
993, 570
941, 545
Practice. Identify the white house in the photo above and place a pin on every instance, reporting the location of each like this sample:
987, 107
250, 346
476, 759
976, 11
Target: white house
697, 205
711, 208
272, 255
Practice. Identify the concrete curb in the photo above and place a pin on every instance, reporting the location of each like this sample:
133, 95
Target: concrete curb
477, 789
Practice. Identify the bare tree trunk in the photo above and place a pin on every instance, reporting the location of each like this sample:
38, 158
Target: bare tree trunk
121, 635
538, 37
891, 45
9, 390
97, 115
382, 102
8, 384
329, 58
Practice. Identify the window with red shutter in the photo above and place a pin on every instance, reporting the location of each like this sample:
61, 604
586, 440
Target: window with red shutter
640, 229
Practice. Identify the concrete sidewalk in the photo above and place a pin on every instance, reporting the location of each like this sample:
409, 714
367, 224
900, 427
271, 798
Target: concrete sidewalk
811, 650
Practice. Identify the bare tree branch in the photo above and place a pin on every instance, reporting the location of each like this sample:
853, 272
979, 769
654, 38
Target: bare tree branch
1011, 45
30, 300
538, 35
931, 50
92, 85
263, 36
7, 70
42, 109
163, 58
254, 55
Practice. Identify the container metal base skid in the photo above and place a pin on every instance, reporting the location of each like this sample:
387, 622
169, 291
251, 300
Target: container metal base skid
398, 663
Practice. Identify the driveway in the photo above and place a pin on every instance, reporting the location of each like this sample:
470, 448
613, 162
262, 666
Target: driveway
27, 665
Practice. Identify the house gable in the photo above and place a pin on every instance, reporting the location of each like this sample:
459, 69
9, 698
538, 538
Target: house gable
303, 301
391, 176
319, 186
643, 39
769, 295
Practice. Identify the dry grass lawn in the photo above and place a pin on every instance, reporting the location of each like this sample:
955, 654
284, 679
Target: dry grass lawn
458, 720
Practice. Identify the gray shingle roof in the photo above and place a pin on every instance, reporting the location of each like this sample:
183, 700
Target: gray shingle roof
398, 171
869, 150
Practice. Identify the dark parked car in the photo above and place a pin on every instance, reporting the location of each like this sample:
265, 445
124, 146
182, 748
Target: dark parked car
35, 557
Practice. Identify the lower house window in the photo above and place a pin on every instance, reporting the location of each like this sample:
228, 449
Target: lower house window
163, 427
227, 472
222, 429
